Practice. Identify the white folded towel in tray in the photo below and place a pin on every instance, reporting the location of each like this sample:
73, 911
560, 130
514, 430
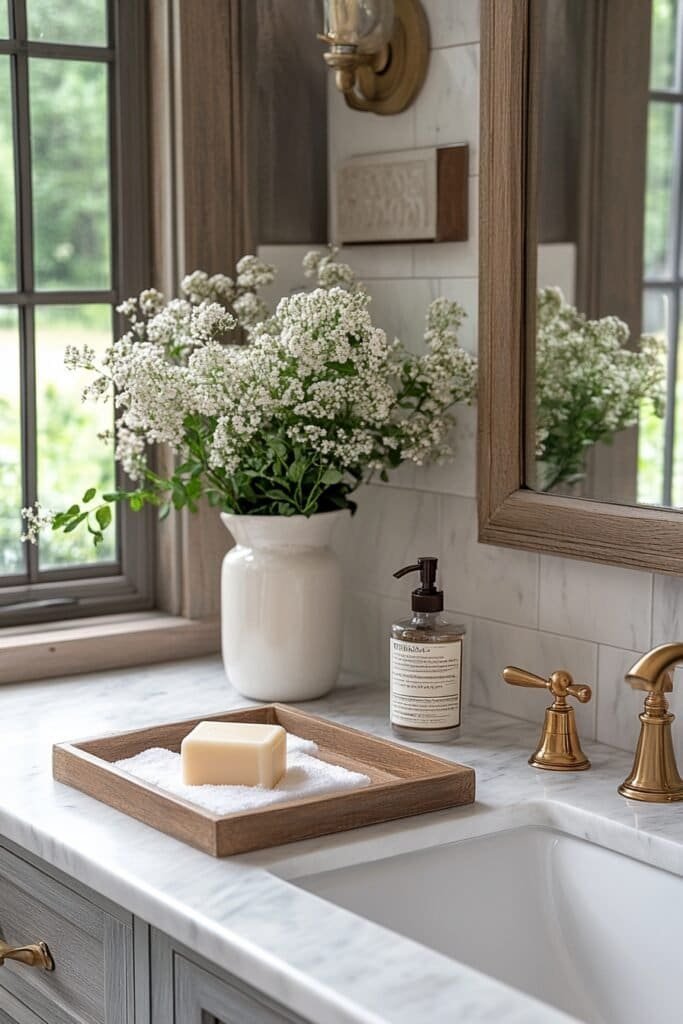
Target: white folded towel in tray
306, 776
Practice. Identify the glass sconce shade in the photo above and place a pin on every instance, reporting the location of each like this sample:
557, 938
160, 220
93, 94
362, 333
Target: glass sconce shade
363, 24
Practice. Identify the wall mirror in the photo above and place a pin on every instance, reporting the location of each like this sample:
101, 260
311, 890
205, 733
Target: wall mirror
581, 250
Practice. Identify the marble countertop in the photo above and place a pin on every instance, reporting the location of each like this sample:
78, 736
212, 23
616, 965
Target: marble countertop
238, 912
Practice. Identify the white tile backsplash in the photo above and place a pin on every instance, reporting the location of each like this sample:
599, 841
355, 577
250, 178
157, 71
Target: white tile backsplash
495, 645
541, 612
452, 22
667, 610
447, 109
499, 583
452, 259
391, 528
399, 308
596, 602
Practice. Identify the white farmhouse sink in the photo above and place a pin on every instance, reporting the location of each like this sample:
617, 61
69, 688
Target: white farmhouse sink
589, 931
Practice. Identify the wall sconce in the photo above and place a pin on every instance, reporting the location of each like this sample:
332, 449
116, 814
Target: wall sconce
379, 50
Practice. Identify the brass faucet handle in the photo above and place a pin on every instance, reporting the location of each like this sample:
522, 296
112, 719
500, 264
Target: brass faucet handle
559, 748
520, 677
560, 684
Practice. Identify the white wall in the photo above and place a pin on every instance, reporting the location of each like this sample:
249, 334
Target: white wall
539, 612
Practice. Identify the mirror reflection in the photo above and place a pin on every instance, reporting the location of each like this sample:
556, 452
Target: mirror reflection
605, 419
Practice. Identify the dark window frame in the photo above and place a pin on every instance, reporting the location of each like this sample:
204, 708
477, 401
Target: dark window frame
127, 584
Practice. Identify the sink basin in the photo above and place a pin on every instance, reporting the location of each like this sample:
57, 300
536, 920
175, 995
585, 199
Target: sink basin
589, 931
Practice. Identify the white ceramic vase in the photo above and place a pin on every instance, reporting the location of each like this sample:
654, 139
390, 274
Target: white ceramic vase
281, 606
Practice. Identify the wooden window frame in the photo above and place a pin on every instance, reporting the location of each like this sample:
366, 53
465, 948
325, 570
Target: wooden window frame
125, 584
509, 513
198, 183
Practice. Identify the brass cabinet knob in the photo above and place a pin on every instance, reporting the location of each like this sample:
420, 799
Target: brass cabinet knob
35, 955
559, 748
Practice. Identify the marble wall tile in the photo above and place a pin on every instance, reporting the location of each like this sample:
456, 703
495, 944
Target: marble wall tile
667, 610
596, 602
399, 307
362, 628
447, 108
452, 259
372, 261
495, 645
619, 705
452, 23
499, 583
391, 528
464, 290
355, 133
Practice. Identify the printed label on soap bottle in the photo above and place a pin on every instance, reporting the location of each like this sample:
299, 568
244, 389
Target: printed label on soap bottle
426, 681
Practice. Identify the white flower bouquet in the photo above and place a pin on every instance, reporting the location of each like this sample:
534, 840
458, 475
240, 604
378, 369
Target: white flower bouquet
287, 418
589, 385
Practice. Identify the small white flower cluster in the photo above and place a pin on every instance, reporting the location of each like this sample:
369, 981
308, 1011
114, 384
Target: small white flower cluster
36, 518
328, 272
589, 385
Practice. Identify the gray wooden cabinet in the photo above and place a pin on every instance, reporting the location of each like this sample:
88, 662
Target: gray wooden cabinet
187, 990
91, 941
110, 968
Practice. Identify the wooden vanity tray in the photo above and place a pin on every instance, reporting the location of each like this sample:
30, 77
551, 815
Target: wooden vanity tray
403, 782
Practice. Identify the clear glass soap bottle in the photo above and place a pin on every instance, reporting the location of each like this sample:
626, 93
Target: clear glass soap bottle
426, 664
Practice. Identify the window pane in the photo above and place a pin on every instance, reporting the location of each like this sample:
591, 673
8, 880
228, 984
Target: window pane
657, 311
664, 41
11, 548
70, 147
663, 126
4, 20
71, 457
75, 21
8, 275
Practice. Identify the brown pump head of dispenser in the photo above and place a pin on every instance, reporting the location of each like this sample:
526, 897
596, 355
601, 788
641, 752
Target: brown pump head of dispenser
425, 598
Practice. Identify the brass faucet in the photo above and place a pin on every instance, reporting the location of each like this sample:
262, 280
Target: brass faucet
655, 775
559, 749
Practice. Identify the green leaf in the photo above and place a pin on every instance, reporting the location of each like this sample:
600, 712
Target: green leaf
296, 471
278, 446
332, 476
103, 516
136, 503
89, 495
73, 511
97, 538
70, 527
164, 511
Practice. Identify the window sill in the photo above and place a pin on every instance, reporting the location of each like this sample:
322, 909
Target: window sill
109, 641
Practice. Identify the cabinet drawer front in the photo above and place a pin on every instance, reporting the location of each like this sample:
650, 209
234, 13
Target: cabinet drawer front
201, 996
35, 907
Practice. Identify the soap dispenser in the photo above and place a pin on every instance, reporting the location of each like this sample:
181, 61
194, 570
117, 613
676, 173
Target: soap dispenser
426, 664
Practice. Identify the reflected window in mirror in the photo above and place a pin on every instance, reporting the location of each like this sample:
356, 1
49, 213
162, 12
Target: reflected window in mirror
604, 355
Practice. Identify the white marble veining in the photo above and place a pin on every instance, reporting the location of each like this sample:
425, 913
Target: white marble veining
323, 962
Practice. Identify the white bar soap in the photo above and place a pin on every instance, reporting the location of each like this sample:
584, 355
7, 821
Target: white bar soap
234, 754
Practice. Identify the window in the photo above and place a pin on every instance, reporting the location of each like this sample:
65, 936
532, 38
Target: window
72, 245
660, 455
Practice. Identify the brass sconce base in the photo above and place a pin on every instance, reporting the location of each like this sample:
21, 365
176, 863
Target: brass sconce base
388, 81
559, 749
655, 777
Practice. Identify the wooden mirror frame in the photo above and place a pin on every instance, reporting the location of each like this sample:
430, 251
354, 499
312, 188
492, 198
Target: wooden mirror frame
511, 514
